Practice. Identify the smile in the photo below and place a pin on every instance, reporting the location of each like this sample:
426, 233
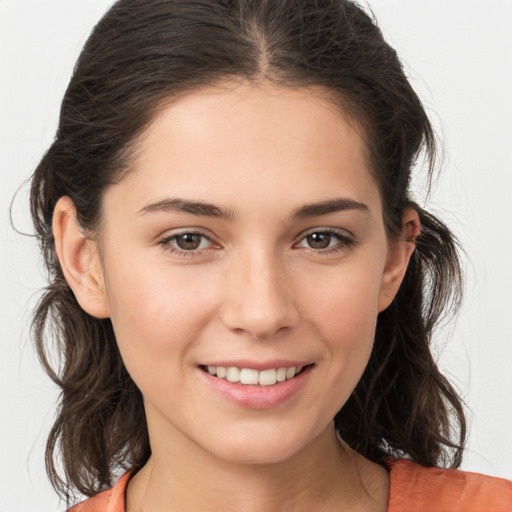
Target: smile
250, 376
257, 385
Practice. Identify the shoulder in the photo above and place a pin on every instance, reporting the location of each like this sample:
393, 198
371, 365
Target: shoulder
112, 500
414, 488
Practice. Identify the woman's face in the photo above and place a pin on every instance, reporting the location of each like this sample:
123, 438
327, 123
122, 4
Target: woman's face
247, 239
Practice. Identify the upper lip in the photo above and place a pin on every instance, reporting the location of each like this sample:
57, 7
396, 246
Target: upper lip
258, 365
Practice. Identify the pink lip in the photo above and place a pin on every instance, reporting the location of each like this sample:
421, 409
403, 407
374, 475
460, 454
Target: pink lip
258, 397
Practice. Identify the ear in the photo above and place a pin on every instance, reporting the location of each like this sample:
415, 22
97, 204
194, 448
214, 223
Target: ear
79, 260
400, 252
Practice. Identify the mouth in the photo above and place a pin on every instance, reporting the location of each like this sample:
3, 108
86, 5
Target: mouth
253, 377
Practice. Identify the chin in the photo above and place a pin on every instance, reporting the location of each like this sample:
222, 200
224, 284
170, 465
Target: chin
265, 446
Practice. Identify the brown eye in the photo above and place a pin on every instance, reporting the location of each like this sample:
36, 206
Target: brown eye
326, 240
319, 240
189, 241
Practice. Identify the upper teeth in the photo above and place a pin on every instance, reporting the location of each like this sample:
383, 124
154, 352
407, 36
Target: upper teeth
251, 376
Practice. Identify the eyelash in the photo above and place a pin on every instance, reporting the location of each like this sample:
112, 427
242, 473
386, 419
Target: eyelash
166, 243
344, 242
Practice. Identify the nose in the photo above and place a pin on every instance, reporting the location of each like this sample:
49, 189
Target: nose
259, 297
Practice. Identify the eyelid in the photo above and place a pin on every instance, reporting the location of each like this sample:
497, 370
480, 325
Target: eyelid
175, 232
165, 241
346, 239
325, 229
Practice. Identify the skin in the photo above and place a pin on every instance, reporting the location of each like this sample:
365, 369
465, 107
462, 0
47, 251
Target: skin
254, 289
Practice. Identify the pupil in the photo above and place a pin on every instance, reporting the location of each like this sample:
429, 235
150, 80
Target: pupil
319, 240
189, 241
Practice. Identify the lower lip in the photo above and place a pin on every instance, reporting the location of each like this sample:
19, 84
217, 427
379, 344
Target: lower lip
258, 397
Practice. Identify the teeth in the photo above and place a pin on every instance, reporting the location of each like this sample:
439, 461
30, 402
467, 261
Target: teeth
232, 374
290, 372
250, 376
281, 375
267, 378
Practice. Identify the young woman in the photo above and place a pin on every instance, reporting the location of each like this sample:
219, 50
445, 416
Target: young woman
242, 291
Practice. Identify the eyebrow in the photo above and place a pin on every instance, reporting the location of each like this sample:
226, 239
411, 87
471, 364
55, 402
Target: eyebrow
210, 210
185, 206
330, 206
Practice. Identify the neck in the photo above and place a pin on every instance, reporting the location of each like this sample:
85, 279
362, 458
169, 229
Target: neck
325, 475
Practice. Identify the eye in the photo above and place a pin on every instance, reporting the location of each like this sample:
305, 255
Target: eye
191, 241
319, 240
186, 242
322, 240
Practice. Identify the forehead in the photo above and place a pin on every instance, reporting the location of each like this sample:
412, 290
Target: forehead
229, 105
238, 139
260, 100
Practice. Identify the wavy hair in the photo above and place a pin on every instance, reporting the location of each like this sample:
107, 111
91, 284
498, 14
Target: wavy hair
144, 52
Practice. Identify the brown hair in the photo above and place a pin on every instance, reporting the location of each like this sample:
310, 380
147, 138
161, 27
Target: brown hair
145, 51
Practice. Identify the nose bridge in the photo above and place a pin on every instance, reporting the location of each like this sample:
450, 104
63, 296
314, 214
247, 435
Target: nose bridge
258, 298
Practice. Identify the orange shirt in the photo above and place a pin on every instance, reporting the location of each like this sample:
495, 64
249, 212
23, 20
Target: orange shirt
413, 488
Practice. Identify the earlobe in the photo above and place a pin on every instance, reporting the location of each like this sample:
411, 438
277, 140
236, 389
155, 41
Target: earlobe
79, 260
400, 253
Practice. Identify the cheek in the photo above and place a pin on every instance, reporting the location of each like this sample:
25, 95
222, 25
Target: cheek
344, 313
156, 317
345, 299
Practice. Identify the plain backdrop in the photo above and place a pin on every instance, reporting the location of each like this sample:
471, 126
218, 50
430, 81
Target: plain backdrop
458, 54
